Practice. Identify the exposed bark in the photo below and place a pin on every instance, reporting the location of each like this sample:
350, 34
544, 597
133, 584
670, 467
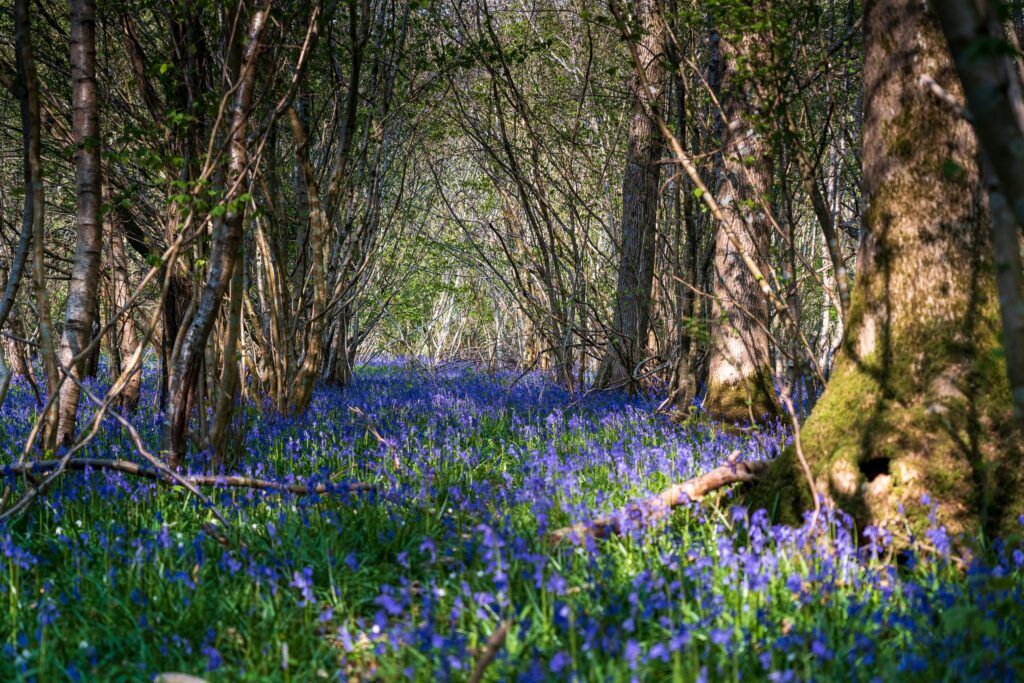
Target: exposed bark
627, 343
83, 289
739, 366
918, 402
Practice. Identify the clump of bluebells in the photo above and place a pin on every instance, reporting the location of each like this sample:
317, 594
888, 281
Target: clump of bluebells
114, 577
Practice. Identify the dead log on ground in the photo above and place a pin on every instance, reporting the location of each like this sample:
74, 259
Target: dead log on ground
659, 506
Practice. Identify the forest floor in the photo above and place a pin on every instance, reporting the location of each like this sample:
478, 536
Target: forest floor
114, 577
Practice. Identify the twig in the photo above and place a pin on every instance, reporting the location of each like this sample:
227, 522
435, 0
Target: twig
787, 402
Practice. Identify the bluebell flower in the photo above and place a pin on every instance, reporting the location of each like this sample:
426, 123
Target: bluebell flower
560, 661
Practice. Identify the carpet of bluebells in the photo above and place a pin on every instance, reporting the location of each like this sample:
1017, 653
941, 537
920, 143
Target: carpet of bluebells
113, 577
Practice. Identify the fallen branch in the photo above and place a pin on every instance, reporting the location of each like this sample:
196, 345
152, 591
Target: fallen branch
135, 469
659, 506
387, 443
489, 652
371, 428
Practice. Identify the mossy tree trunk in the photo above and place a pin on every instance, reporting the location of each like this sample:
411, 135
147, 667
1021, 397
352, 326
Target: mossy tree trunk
739, 366
918, 402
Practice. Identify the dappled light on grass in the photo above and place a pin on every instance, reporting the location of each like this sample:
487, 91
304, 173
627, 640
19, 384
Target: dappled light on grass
114, 576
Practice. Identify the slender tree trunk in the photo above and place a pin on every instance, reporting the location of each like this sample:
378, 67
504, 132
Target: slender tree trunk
188, 361
83, 289
918, 402
739, 367
684, 380
822, 212
19, 356
127, 337
221, 433
190, 59
28, 87
302, 386
11, 286
627, 341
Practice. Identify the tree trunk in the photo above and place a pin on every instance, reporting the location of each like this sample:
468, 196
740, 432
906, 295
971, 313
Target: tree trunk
993, 93
83, 288
739, 366
189, 359
191, 59
918, 402
684, 379
627, 341
12, 282
126, 336
28, 91
221, 442
301, 391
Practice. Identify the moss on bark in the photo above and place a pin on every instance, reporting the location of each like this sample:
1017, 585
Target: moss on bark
749, 399
877, 446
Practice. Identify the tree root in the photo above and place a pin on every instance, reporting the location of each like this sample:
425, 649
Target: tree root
659, 506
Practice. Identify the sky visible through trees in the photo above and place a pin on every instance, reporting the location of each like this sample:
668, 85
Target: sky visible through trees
494, 340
